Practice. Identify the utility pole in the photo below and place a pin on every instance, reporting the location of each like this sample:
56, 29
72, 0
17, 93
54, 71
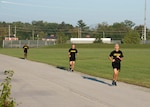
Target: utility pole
15, 32
79, 32
33, 34
145, 23
9, 32
103, 34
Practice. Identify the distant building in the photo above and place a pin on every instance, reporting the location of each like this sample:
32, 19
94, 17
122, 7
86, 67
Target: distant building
11, 38
106, 40
50, 38
82, 40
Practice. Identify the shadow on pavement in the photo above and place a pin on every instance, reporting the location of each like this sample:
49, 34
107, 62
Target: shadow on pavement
22, 58
96, 80
62, 68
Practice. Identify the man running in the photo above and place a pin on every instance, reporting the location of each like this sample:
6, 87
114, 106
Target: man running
116, 57
25, 47
72, 56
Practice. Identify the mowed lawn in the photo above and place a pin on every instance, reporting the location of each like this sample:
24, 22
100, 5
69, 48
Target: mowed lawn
94, 61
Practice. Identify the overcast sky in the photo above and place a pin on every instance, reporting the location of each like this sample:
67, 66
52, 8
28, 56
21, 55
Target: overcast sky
91, 12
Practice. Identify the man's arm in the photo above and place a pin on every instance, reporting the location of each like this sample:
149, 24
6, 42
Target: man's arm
111, 59
121, 58
77, 52
69, 54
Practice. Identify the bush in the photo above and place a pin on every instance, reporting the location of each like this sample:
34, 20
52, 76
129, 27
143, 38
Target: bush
132, 37
98, 40
5, 99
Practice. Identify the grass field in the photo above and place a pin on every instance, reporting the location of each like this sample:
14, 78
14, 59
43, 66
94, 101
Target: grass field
93, 60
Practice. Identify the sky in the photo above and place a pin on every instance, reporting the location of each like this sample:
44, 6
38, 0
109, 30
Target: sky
92, 12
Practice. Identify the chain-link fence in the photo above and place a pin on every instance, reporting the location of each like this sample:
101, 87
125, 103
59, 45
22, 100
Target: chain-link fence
145, 42
30, 43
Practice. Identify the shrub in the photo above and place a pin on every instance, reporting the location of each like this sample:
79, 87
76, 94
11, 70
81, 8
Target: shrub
5, 99
132, 37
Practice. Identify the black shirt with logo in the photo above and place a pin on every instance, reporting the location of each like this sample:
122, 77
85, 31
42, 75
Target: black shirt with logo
114, 55
25, 47
73, 53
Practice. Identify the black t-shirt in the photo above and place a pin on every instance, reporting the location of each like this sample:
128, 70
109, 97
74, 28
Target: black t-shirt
114, 54
73, 52
25, 48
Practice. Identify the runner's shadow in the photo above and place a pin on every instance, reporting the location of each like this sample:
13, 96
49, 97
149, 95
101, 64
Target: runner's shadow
62, 68
96, 80
22, 58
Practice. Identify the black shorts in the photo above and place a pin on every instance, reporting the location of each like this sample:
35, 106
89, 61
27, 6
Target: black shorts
72, 59
25, 51
116, 65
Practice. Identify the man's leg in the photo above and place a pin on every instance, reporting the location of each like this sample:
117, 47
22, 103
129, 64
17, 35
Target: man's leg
70, 63
115, 76
73, 62
116, 72
25, 55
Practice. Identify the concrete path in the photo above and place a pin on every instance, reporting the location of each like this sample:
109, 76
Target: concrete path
41, 85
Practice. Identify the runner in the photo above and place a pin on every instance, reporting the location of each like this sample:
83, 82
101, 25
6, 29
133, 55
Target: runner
25, 47
72, 56
116, 57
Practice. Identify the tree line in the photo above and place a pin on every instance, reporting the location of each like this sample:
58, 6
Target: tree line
63, 31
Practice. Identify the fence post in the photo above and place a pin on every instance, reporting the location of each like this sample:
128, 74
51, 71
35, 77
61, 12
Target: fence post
28, 43
11, 43
19, 43
3, 43
37, 43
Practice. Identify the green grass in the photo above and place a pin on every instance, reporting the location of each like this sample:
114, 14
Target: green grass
97, 45
93, 60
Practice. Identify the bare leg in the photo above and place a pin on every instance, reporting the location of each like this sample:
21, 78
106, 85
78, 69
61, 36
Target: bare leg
72, 65
116, 72
115, 77
25, 55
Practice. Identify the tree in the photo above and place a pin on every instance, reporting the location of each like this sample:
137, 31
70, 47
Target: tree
82, 25
140, 30
119, 26
61, 38
83, 29
132, 37
129, 24
103, 26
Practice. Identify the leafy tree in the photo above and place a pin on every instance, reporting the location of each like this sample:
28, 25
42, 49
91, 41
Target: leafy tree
119, 26
129, 24
83, 29
81, 24
132, 37
41, 34
25, 30
102, 27
140, 30
61, 38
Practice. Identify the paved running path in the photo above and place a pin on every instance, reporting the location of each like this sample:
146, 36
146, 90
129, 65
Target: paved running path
41, 85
